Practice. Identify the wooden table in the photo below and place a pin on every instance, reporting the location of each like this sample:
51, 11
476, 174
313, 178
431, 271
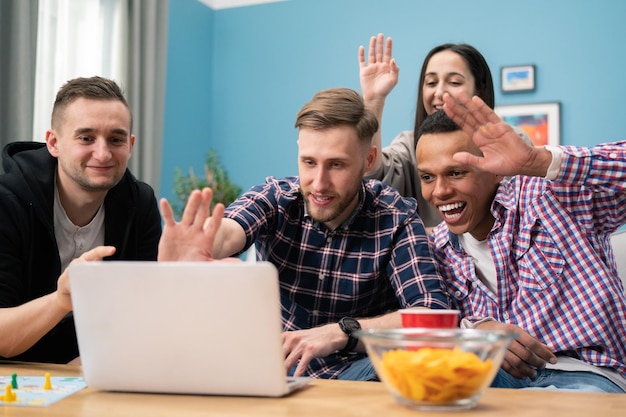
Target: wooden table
321, 399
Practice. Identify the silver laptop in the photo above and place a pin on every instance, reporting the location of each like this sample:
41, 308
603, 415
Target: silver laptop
180, 327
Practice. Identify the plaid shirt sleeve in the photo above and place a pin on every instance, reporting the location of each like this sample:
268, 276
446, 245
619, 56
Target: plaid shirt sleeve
592, 184
412, 270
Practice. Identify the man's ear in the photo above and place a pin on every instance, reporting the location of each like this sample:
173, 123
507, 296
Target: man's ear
371, 157
132, 143
52, 142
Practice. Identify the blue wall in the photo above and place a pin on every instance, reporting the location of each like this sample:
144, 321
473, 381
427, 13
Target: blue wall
237, 77
188, 104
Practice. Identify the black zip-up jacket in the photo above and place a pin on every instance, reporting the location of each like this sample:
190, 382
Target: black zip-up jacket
29, 257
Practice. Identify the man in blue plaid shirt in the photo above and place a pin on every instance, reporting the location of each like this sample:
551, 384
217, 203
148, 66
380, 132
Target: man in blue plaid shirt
350, 252
525, 245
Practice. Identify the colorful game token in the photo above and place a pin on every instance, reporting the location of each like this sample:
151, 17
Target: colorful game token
9, 395
47, 384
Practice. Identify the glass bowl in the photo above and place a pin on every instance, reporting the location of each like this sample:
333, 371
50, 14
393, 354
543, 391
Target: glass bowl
436, 369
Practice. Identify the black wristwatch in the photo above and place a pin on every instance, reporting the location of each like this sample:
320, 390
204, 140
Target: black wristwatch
348, 325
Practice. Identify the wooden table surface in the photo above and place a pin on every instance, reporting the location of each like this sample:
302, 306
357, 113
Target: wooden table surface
320, 399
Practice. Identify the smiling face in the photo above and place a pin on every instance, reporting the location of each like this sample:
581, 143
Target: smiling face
461, 193
92, 143
331, 165
446, 71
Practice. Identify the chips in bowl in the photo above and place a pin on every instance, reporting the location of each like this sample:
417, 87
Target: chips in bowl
435, 375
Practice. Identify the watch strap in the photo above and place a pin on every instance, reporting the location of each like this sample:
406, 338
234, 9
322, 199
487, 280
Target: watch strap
348, 325
352, 342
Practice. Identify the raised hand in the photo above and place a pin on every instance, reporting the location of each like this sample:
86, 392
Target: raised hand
189, 239
503, 151
379, 75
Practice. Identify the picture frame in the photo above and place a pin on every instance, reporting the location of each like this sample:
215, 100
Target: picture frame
517, 78
540, 121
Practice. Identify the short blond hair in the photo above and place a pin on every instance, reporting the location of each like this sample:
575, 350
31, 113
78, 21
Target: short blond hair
338, 107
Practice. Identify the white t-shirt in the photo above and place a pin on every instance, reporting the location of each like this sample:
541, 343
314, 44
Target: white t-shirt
73, 240
483, 263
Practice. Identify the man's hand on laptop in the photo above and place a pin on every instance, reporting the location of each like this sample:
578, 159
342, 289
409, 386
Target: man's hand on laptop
64, 298
306, 345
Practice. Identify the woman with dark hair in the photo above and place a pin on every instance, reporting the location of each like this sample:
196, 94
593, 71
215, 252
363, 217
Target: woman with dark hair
448, 71
446, 68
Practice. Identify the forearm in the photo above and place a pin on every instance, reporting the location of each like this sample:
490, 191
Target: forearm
338, 340
386, 321
23, 326
230, 239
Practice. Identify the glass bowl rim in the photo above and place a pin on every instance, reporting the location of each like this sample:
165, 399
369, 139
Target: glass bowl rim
434, 334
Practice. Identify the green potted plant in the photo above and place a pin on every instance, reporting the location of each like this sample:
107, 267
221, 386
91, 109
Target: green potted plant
215, 176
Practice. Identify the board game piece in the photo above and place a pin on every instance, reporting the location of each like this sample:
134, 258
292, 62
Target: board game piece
47, 384
14, 381
9, 395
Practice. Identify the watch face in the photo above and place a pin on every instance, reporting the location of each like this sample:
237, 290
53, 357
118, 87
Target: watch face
349, 324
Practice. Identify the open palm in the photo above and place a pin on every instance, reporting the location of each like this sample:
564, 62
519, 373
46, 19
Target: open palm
379, 75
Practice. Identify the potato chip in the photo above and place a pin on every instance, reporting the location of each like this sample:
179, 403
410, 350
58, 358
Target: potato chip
435, 374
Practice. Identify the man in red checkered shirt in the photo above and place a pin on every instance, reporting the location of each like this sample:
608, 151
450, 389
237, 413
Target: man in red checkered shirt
525, 245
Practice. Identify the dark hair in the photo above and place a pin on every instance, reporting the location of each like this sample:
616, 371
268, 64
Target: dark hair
477, 66
438, 122
335, 107
93, 87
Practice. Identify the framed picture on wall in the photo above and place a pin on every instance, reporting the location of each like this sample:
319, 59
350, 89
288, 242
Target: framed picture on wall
518, 78
540, 121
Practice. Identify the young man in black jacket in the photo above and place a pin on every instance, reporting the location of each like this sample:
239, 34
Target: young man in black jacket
61, 200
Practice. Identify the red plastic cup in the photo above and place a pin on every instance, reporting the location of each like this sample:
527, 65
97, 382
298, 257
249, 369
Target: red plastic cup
427, 318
